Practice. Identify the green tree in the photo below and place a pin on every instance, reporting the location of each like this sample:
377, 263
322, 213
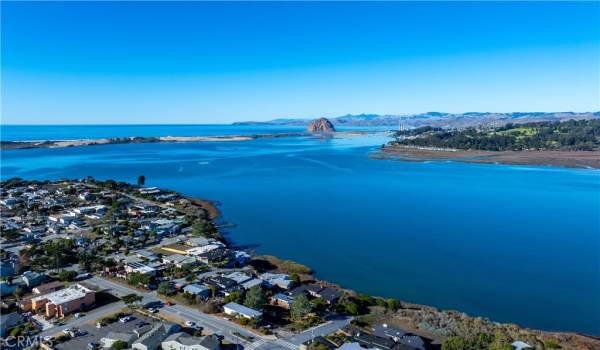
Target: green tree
165, 288
255, 298
120, 345
235, 297
350, 307
392, 304
141, 180
551, 344
455, 343
131, 299
137, 278
300, 307
295, 278
501, 342
67, 275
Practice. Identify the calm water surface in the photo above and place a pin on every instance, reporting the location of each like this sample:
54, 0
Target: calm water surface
513, 243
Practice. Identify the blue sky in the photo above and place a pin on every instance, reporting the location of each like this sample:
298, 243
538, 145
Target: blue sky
201, 62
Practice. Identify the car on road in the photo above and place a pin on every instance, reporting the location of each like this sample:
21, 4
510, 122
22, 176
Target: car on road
67, 330
190, 323
93, 346
126, 319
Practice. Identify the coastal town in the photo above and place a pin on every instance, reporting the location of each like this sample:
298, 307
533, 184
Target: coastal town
90, 264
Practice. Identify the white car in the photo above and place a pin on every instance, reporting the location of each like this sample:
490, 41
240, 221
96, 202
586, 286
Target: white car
67, 330
152, 310
190, 323
125, 319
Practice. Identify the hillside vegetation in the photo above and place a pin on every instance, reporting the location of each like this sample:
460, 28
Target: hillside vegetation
572, 135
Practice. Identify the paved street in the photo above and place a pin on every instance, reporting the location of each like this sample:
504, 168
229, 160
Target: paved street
219, 325
208, 322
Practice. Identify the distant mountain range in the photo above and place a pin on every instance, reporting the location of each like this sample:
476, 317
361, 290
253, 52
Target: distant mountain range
437, 119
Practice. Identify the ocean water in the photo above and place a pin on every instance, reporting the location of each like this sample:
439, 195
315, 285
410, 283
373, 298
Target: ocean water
516, 244
76, 132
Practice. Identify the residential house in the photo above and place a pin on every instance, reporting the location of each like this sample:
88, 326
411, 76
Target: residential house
238, 277
33, 279
47, 287
7, 288
280, 280
282, 300
252, 283
195, 251
184, 341
399, 336
218, 255
139, 267
330, 295
113, 337
179, 260
235, 309
220, 282
197, 290
152, 339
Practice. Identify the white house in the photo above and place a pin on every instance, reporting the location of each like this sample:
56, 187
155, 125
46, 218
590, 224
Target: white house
183, 341
236, 309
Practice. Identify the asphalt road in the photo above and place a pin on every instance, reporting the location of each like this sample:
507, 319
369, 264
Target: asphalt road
208, 322
219, 325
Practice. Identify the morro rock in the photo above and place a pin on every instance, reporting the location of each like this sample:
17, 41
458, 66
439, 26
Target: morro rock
321, 125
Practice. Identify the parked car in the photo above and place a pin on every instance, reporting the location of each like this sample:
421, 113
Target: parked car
152, 310
126, 319
190, 323
67, 330
93, 346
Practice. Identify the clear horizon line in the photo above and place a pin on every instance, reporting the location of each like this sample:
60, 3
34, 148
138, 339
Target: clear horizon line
288, 118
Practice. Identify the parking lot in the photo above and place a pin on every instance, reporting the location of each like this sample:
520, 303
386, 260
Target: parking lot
95, 334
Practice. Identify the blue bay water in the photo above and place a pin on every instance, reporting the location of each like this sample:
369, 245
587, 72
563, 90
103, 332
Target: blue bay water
513, 243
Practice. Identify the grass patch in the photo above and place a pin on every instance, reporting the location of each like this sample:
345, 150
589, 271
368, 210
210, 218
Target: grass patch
269, 262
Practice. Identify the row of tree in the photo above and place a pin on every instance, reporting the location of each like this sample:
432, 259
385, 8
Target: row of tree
572, 135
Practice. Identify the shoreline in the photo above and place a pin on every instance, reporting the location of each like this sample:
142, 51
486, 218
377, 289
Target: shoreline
564, 159
410, 316
424, 320
33, 144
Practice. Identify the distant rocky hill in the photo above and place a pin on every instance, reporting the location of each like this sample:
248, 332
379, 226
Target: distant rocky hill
438, 119
321, 125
